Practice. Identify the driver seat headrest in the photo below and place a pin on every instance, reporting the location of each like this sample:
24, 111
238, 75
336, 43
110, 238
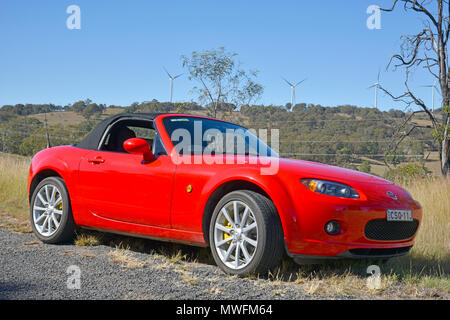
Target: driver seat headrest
122, 135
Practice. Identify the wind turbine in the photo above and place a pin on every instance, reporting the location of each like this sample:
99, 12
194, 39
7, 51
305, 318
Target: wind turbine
292, 90
171, 82
376, 85
433, 88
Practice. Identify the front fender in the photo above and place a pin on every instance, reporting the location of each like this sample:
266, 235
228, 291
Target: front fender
270, 184
64, 161
41, 164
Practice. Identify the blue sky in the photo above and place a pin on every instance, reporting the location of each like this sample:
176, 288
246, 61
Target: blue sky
118, 55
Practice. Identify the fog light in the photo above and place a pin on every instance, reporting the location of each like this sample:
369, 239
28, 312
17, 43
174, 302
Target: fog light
332, 227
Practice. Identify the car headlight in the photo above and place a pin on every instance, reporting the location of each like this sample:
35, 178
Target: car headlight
330, 188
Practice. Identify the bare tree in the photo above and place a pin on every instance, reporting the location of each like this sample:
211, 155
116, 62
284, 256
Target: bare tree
221, 81
426, 49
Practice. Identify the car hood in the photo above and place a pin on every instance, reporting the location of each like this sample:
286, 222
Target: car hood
306, 169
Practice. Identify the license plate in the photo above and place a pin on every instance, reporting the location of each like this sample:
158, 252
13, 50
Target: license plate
399, 215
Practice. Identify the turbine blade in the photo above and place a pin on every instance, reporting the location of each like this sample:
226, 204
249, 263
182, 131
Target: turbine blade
168, 73
290, 84
300, 82
178, 76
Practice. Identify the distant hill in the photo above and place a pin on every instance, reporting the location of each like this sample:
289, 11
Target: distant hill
71, 117
344, 135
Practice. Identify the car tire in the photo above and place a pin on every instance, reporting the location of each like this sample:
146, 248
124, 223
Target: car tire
260, 238
51, 212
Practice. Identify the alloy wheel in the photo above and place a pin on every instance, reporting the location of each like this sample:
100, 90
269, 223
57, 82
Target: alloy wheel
236, 235
47, 210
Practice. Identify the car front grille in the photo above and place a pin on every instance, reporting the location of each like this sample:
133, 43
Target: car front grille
383, 230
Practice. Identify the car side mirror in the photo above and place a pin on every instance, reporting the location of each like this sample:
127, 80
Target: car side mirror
139, 146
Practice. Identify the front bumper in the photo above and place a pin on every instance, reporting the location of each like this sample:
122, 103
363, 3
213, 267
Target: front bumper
352, 241
374, 253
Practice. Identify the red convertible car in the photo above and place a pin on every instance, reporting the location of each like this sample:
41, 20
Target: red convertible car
157, 176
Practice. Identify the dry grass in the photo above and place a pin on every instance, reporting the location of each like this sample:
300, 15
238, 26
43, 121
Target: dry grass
110, 111
125, 257
20, 224
433, 241
87, 239
189, 279
177, 258
214, 290
67, 118
13, 184
13, 192
63, 118
350, 278
32, 243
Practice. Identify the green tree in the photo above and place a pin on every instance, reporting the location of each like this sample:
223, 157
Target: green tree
221, 80
365, 167
92, 109
408, 172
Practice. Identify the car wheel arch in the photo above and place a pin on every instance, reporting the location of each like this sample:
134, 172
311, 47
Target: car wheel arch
223, 189
38, 177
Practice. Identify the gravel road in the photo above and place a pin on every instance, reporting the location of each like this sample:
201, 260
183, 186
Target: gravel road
33, 270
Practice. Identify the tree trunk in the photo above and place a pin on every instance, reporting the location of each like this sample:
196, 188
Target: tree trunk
445, 159
445, 150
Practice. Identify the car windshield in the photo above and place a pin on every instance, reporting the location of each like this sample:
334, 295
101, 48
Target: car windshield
198, 136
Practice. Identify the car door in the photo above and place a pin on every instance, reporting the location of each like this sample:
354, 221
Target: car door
118, 186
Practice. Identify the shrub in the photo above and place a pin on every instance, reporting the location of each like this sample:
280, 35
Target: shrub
365, 167
408, 172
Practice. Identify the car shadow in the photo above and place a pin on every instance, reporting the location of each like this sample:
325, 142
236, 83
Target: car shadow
409, 266
168, 250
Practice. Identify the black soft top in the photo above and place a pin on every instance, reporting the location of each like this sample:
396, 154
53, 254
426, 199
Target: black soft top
92, 140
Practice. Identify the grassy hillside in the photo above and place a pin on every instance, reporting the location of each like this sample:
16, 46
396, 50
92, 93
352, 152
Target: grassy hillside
65, 118
347, 136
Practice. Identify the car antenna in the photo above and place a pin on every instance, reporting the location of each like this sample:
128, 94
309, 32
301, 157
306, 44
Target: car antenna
46, 131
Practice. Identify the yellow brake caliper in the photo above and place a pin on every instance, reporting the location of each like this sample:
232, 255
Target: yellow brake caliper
226, 235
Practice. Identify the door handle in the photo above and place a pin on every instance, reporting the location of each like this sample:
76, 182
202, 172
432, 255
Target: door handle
97, 160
